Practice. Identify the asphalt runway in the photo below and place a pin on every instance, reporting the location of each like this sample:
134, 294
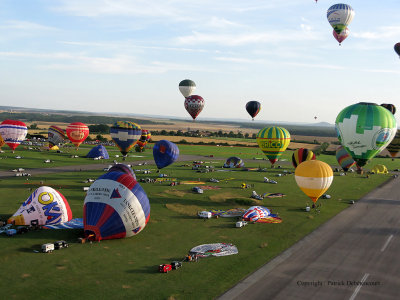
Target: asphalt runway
355, 255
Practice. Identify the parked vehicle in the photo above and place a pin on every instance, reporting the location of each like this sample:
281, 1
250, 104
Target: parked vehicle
164, 268
176, 265
204, 214
47, 248
240, 224
11, 232
60, 244
197, 190
22, 229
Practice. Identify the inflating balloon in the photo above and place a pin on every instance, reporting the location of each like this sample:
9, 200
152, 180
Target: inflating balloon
389, 107
194, 105
234, 162
301, 155
364, 130
45, 206
273, 141
125, 135
341, 36
187, 87
165, 153
116, 206
253, 108
314, 178
56, 136
344, 158
98, 151
340, 16
13, 132
77, 133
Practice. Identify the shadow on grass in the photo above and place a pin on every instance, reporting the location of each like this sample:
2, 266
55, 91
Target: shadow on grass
145, 270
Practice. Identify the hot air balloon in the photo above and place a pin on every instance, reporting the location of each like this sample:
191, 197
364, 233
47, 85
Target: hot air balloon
125, 135
144, 139
234, 162
253, 108
301, 155
217, 249
187, 87
389, 107
273, 141
77, 133
394, 146
255, 213
314, 178
194, 105
45, 206
13, 132
116, 206
397, 49
56, 136
340, 16
365, 129
165, 153
344, 158
122, 168
341, 36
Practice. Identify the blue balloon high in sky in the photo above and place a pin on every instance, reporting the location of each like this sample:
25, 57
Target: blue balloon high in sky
165, 153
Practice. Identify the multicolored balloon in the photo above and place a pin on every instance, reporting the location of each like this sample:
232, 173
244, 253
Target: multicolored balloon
314, 178
255, 213
341, 36
365, 129
301, 155
116, 206
77, 133
394, 146
125, 135
234, 162
253, 108
45, 206
344, 158
194, 105
56, 136
144, 138
13, 132
2, 142
187, 87
165, 153
122, 168
273, 141
340, 16
389, 107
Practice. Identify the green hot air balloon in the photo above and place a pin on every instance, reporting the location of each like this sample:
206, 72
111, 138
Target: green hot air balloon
365, 129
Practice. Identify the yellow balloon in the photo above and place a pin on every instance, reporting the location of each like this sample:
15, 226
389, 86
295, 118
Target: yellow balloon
273, 141
314, 177
2, 142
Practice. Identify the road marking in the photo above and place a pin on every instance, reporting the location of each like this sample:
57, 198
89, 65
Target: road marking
359, 287
387, 243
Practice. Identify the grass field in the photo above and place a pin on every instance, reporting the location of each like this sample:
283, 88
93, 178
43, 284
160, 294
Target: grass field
127, 268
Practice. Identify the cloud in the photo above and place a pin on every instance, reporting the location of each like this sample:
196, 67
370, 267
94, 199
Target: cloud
25, 26
311, 65
382, 33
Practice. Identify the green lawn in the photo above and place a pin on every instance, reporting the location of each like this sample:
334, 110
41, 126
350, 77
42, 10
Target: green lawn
127, 268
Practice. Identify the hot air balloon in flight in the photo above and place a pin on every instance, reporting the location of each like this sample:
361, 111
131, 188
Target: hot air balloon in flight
340, 16
273, 141
45, 206
397, 49
394, 146
194, 105
13, 132
56, 136
301, 155
144, 139
115, 206
389, 107
253, 108
187, 87
341, 36
125, 135
165, 153
344, 158
314, 177
77, 133
365, 129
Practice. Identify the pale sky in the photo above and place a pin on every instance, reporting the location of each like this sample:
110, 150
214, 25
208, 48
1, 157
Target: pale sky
129, 56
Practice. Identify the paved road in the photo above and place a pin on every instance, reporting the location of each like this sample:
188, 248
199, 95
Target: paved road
355, 255
99, 166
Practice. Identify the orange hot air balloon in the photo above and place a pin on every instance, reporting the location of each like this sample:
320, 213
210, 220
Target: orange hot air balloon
77, 132
314, 177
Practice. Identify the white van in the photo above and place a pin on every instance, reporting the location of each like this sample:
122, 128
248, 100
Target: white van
204, 214
240, 224
49, 247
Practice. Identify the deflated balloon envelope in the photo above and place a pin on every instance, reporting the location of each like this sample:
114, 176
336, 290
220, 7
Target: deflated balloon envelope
116, 206
45, 206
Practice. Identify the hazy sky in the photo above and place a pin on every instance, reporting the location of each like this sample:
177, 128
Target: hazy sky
129, 56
